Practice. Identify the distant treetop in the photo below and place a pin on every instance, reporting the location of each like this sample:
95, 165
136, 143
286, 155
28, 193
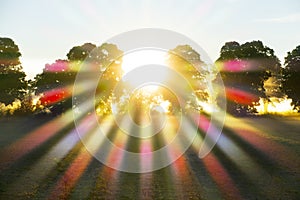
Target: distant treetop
9, 55
79, 53
254, 51
292, 60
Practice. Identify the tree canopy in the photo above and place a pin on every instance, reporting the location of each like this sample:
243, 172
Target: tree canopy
186, 61
264, 56
79, 53
56, 82
245, 67
12, 78
291, 83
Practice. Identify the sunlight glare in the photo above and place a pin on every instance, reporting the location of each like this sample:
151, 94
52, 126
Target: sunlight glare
141, 58
278, 106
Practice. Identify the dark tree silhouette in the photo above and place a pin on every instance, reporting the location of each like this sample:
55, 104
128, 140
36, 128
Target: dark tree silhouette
291, 83
245, 67
12, 78
79, 53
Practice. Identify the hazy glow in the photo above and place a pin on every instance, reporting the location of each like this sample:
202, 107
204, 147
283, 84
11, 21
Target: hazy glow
160, 105
142, 57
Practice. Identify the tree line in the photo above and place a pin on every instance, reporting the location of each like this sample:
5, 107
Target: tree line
243, 67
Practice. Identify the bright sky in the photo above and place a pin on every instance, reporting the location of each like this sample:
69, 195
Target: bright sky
47, 30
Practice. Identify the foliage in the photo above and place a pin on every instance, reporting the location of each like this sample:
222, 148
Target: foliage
254, 50
13, 85
109, 60
246, 67
291, 81
9, 55
80, 53
186, 61
55, 85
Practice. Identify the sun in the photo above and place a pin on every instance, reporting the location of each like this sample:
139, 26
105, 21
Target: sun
143, 57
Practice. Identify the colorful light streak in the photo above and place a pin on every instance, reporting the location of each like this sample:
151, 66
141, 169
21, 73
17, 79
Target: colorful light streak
239, 65
34, 139
266, 144
221, 177
55, 95
240, 96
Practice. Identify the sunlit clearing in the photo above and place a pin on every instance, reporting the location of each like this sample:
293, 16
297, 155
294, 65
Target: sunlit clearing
278, 106
141, 58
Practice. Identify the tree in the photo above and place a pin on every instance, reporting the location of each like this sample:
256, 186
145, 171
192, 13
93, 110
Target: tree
245, 67
109, 60
291, 83
55, 84
187, 62
79, 53
12, 78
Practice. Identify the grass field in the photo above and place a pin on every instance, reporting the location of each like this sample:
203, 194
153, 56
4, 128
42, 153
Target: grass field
256, 158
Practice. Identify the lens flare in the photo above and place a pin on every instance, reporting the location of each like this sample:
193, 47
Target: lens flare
240, 96
151, 96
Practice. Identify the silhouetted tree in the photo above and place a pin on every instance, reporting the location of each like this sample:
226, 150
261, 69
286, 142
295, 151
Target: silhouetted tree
79, 53
245, 67
12, 78
291, 84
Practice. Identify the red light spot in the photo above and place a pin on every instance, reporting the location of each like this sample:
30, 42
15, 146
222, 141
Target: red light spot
241, 96
54, 96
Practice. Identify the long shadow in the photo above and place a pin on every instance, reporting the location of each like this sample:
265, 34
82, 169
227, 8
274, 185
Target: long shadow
162, 179
246, 186
128, 186
100, 188
55, 174
21, 165
19, 126
259, 157
91, 185
270, 167
209, 188
239, 178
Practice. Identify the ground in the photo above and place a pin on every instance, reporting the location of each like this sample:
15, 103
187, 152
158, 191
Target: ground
256, 157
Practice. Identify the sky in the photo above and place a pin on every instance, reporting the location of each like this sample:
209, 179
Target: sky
47, 30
